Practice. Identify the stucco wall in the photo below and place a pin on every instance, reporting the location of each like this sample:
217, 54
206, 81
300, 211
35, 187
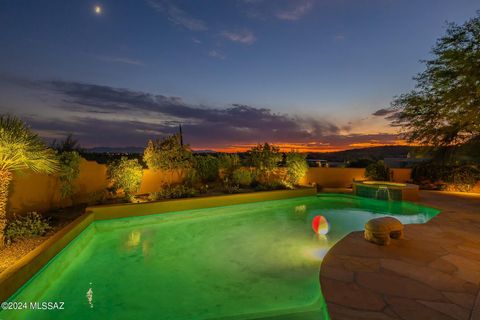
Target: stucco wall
343, 177
153, 181
401, 174
334, 177
39, 192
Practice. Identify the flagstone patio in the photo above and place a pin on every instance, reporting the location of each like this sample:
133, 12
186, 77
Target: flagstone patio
434, 273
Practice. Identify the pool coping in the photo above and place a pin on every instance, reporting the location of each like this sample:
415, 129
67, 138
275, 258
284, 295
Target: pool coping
15, 276
363, 281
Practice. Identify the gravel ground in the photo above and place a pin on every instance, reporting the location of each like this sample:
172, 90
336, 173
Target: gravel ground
10, 254
58, 219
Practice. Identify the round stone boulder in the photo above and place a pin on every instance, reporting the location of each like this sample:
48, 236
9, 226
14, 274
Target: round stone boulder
381, 230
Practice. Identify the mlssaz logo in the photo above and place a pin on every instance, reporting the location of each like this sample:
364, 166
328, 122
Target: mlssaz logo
47, 305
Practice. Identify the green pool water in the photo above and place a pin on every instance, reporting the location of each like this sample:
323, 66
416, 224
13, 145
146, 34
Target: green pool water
251, 261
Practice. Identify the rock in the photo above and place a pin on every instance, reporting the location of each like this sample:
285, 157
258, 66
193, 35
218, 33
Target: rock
381, 230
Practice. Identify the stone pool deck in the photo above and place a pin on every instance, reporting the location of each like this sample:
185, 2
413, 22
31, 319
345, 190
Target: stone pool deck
434, 273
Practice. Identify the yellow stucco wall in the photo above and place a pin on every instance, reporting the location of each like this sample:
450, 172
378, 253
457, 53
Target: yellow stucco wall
333, 177
401, 175
40, 192
343, 177
153, 180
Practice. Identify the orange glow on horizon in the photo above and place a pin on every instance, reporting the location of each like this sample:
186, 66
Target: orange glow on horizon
310, 147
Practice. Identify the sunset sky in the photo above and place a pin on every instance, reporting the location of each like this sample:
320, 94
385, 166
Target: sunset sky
305, 74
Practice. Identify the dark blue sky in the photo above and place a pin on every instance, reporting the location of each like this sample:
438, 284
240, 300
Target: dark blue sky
302, 73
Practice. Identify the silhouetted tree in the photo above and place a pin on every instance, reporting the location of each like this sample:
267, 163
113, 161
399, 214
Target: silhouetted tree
443, 111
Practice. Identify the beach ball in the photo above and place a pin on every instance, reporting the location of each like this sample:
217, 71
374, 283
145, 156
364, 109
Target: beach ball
320, 225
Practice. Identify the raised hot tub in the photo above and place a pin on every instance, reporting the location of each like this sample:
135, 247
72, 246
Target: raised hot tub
385, 190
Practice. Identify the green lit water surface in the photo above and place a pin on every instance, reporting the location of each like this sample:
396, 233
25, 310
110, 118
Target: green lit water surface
252, 261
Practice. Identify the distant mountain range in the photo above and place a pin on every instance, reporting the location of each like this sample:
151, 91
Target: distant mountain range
373, 153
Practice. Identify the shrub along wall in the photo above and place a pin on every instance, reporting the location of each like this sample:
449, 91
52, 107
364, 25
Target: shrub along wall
40, 192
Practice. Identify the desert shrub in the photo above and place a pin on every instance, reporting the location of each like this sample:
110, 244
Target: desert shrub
230, 186
168, 154
125, 175
69, 170
191, 178
463, 178
242, 177
68, 144
428, 172
264, 157
360, 163
377, 171
30, 225
172, 192
228, 163
97, 197
297, 167
464, 175
271, 185
206, 168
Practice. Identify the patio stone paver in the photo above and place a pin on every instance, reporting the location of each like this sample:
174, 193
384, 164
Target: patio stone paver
434, 273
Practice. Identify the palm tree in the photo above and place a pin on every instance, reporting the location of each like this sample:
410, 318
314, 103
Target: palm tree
20, 149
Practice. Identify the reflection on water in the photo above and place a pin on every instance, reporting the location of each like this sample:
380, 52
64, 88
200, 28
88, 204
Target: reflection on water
300, 209
89, 296
134, 239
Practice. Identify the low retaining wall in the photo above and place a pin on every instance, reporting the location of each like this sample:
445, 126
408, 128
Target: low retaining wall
141, 209
17, 275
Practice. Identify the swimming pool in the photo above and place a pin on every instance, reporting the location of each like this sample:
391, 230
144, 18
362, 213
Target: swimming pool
250, 261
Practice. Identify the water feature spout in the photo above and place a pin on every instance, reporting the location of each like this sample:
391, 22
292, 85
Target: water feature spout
385, 191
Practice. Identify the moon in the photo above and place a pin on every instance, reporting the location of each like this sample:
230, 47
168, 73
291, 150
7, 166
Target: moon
97, 9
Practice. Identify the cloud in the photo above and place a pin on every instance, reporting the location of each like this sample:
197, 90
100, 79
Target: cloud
216, 54
393, 115
99, 132
244, 36
382, 112
296, 12
123, 60
177, 16
102, 115
234, 123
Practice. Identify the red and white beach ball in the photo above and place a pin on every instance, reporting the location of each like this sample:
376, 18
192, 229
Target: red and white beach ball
320, 225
